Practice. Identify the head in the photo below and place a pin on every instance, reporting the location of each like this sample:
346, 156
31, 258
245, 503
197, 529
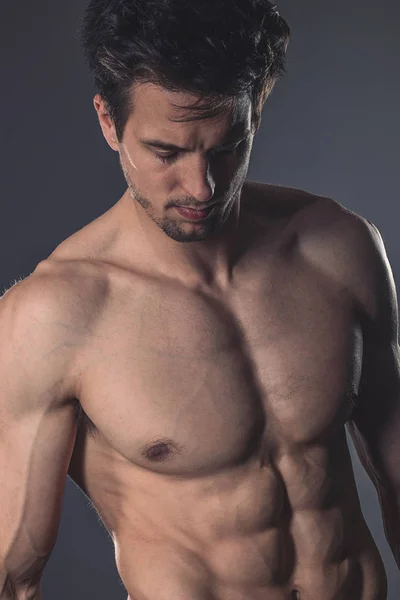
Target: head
194, 77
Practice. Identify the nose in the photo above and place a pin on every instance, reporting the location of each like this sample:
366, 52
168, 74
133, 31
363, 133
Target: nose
197, 179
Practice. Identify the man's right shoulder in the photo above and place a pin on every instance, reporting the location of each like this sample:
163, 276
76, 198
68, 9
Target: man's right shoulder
47, 322
61, 280
65, 294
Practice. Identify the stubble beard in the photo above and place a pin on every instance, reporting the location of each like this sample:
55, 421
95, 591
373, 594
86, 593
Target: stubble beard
174, 229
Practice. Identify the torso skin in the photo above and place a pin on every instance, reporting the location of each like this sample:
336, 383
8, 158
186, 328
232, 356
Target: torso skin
218, 460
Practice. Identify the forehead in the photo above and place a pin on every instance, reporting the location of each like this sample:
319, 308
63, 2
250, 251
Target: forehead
159, 108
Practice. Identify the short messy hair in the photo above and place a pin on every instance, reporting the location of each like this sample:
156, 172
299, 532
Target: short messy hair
216, 50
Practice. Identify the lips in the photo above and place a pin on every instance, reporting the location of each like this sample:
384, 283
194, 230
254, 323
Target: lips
192, 214
199, 208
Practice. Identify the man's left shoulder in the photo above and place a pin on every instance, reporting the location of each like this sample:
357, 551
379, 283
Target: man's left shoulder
347, 248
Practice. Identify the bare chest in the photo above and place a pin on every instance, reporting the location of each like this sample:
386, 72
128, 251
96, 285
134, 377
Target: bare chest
185, 383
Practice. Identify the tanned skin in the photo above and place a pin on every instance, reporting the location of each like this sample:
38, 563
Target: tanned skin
195, 379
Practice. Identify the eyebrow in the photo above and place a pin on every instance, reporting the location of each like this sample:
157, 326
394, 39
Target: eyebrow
231, 137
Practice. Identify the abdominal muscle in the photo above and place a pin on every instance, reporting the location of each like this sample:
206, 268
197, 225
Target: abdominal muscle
242, 569
243, 542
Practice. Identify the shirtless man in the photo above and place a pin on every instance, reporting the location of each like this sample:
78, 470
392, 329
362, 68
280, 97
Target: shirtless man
193, 372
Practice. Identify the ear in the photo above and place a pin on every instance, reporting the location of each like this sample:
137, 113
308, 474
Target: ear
106, 123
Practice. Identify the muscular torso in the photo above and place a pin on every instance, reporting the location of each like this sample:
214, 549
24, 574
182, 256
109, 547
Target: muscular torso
211, 438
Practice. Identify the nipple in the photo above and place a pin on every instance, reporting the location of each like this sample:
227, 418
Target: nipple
160, 450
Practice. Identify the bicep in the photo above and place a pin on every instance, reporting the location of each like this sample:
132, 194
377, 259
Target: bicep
37, 434
375, 423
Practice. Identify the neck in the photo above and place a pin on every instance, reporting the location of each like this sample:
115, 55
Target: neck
208, 263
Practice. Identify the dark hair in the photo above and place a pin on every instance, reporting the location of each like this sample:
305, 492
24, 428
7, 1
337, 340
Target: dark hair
216, 50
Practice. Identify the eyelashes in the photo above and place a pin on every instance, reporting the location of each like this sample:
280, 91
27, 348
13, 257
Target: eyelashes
168, 159
171, 158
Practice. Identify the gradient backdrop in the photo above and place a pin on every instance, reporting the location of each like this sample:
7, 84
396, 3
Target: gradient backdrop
331, 127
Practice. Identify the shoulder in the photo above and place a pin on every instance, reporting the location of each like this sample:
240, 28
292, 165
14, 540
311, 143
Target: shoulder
338, 243
59, 287
349, 249
277, 201
50, 314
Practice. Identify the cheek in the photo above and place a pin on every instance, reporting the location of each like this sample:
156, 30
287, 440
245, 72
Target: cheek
244, 161
234, 169
129, 160
141, 162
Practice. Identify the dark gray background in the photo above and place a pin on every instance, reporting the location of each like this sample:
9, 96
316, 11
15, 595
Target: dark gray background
331, 127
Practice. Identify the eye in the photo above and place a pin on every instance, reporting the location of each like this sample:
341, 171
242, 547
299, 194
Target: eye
170, 158
229, 150
237, 148
167, 158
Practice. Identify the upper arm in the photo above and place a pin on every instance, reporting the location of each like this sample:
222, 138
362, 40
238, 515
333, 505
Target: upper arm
375, 422
37, 427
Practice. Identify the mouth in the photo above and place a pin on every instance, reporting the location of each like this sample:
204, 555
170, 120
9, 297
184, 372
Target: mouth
199, 208
192, 214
